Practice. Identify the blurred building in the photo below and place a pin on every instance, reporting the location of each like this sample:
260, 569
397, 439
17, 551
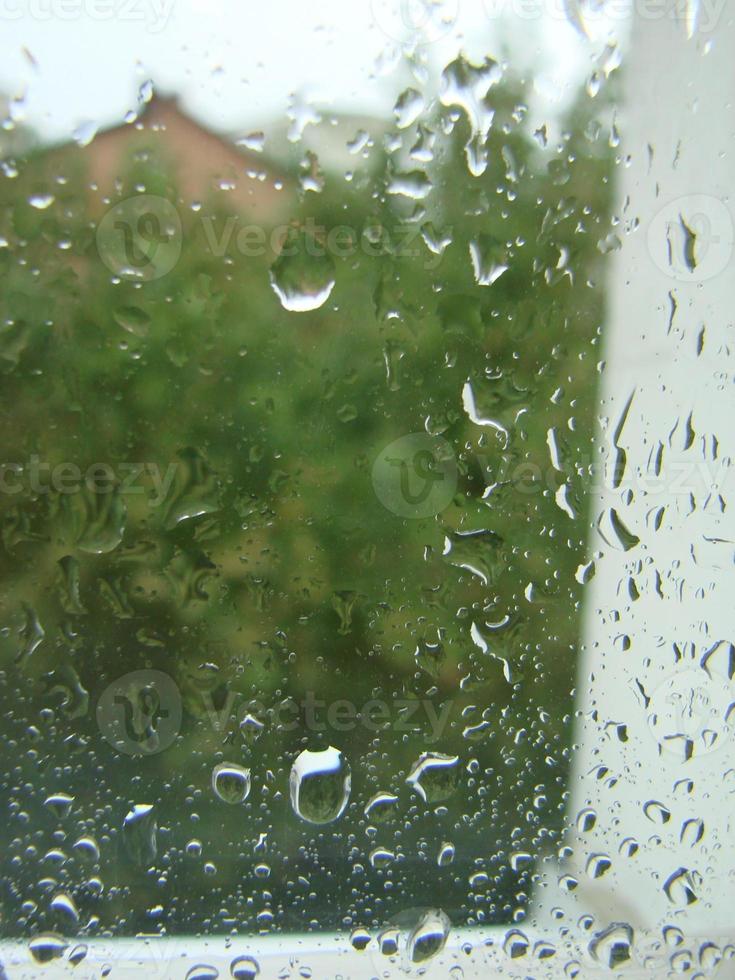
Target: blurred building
204, 166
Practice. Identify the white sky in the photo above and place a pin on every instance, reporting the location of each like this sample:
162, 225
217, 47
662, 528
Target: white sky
236, 62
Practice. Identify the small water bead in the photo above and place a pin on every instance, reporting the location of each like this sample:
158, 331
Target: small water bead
231, 783
320, 785
446, 855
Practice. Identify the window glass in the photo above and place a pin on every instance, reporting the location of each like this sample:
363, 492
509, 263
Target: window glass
363, 490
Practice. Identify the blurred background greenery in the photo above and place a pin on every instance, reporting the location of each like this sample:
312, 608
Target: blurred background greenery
271, 569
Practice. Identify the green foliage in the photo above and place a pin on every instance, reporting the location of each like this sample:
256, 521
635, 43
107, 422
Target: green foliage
271, 569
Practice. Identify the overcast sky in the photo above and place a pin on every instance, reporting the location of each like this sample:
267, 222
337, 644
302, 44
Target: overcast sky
235, 63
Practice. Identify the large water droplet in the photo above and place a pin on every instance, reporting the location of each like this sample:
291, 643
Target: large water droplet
78, 954
467, 86
428, 937
320, 785
657, 812
408, 108
244, 968
489, 259
612, 947
63, 905
515, 944
59, 804
41, 201
202, 971
47, 947
381, 807
231, 782
434, 777
139, 834
303, 275
680, 888
360, 939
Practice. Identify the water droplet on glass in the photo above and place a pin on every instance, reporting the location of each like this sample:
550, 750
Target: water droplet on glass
139, 834
515, 944
320, 786
63, 904
78, 954
428, 937
41, 201
598, 865
467, 86
435, 777
47, 947
489, 259
360, 939
132, 319
414, 184
88, 848
381, 857
202, 972
59, 804
612, 947
657, 812
586, 820
408, 108
84, 133
381, 807
303, 276
231, 782
244, 968
681, 887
